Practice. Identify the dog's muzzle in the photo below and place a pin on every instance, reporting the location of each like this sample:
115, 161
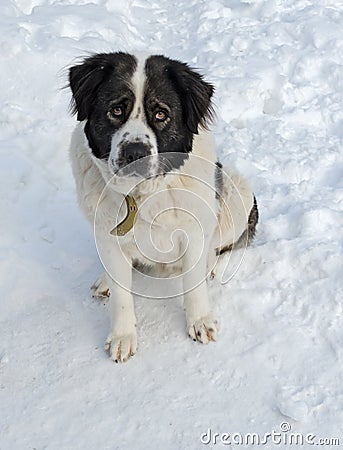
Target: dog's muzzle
135, 159
132, 151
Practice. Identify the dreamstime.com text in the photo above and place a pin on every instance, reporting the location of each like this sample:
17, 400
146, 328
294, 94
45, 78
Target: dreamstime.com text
282, 437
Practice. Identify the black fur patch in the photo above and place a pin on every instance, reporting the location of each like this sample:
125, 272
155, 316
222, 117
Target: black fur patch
218, 180
100, 81
174, 88
86, 78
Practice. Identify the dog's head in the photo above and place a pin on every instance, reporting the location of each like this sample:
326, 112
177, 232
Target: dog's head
137, 107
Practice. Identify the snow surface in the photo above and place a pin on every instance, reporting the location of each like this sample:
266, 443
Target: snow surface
278, 70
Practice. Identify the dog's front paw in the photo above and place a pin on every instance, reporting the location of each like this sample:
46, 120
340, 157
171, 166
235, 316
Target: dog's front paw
121, 347
204, 329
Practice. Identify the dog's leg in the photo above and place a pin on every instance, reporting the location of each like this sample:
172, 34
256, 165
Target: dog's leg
201, 325
121, 342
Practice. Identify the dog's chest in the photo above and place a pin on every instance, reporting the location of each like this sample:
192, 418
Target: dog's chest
169, 216
160, 231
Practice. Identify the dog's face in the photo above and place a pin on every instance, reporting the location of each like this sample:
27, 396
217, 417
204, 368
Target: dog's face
139, 107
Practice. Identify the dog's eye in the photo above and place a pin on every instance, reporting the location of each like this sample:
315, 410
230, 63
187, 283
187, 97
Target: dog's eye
117, 111
160, 116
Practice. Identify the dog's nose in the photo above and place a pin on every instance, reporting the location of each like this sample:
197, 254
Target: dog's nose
135, 150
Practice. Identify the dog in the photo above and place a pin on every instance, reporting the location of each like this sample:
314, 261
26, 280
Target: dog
148, 179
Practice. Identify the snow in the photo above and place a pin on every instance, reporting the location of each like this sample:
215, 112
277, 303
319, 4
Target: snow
278, 70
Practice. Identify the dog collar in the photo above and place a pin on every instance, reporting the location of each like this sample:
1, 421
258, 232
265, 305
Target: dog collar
127, 224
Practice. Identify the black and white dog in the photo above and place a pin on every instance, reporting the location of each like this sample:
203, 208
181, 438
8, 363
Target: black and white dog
148, 178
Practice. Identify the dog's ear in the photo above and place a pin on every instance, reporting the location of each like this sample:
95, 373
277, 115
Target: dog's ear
195, 94
84, 80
